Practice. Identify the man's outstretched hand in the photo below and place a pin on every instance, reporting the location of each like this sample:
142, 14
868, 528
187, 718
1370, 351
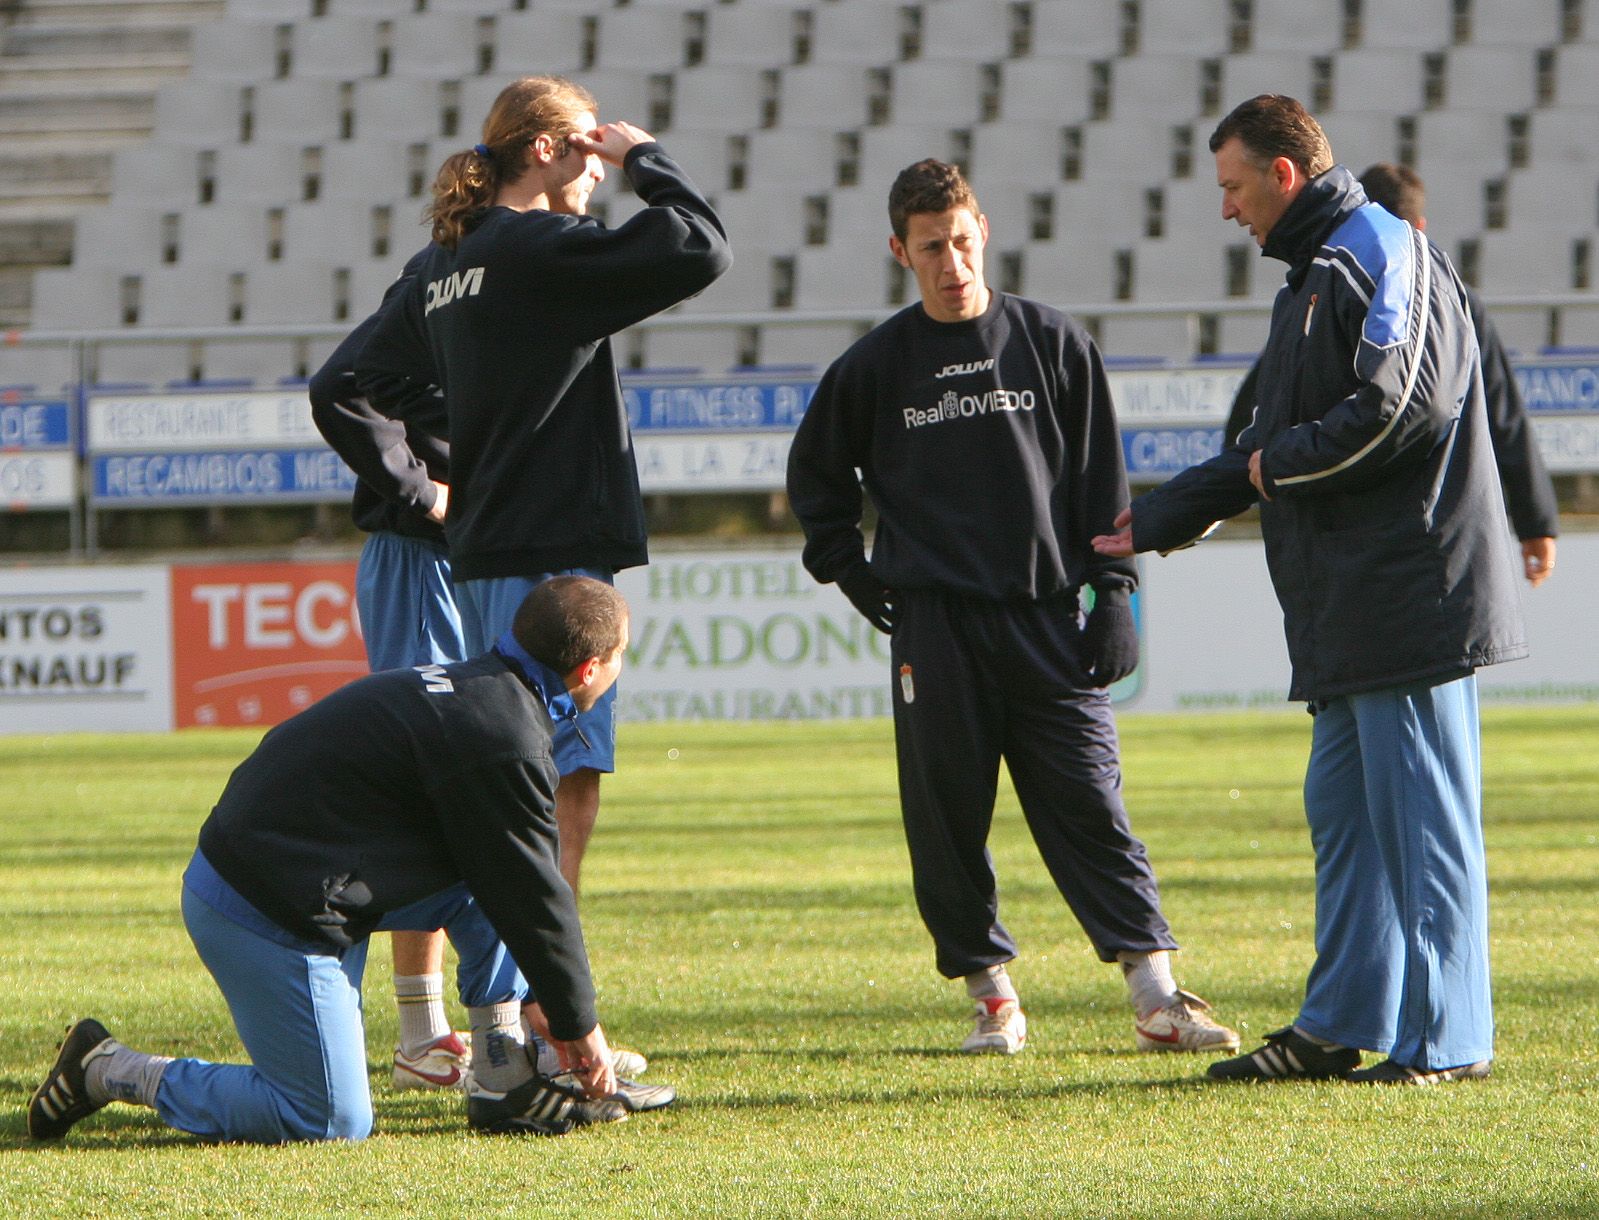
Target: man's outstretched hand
1119, 544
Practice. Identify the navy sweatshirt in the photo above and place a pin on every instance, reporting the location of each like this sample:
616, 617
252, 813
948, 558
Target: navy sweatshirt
395, 463
515, 325
400, 785
989, 448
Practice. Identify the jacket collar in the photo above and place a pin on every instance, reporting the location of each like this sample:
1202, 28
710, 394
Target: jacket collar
544, 682
1323, 204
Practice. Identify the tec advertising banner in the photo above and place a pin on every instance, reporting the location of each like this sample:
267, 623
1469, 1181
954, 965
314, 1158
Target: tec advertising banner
84, 649
254, 643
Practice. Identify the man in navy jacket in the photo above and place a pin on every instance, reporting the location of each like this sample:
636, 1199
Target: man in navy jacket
411, 799
1384, 528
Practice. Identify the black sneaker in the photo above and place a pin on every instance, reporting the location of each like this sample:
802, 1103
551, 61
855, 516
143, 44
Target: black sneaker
63, 1098
539, 1106
1389, 1072
1288, 1055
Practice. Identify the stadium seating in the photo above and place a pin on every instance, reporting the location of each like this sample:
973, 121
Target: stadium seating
541, 40
1491, 79
1424, 25
287, 172
1076, 27
233, 51
718, 98
152, 364
868, 32
261, 173
823, 97
1297, 26
42, 369
1049, 90
336, 48
1526, 23
650, 38
1184, 27
1256, 72
753, 36
77, 298
1383, 79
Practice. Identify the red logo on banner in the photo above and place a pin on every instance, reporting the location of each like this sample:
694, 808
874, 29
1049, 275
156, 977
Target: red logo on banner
256, 643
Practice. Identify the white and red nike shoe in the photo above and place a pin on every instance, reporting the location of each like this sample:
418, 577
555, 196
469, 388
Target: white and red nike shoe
447, 1064
1184, 1025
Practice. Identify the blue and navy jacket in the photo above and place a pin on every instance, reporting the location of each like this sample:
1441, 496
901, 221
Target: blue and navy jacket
1385, 531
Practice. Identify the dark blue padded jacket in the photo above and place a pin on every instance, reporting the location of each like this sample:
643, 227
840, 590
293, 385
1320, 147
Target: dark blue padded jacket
1385, 531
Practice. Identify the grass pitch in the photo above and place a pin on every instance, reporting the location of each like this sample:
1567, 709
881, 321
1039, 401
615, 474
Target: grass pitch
748, 909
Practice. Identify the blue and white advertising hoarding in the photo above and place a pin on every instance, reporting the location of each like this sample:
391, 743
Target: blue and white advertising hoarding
37, 463
210, 448
1559, 386
190, 421
690, 434
283, 475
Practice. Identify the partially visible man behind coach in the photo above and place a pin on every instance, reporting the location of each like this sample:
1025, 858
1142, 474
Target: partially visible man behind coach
411, 799
1384, 529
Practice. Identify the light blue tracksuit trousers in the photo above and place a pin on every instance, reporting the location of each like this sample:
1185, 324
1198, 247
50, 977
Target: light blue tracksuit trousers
297, 1007
1393, 793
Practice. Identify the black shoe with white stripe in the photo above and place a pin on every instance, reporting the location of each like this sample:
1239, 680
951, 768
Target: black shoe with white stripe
539, 1106
1288, 1055
63, 1098
1389, 1072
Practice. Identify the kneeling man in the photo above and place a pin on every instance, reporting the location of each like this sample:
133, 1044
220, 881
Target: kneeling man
412, 799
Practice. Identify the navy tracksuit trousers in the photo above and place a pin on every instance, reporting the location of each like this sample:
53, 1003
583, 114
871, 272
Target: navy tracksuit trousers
976, 681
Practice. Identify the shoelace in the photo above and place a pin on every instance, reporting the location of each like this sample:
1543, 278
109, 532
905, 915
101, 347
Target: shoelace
994, 1022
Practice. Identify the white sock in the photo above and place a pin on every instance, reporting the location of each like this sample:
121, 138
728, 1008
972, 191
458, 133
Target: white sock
992, 986
499, 1046
1326, 1044
420, 1000
1149, 979
125, 1075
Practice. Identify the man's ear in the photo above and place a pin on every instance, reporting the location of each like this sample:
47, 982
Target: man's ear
1286, 174
897, 249
543, 146
583, 675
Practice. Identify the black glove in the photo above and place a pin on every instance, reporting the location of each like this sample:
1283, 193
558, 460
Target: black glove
868, 595
1110, 640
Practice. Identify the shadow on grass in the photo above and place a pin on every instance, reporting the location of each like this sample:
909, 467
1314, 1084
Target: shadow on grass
108, 1128
943, 1091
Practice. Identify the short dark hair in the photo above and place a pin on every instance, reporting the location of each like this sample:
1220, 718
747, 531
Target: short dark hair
1274, 125
1397, 188
927, 186
567, 620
